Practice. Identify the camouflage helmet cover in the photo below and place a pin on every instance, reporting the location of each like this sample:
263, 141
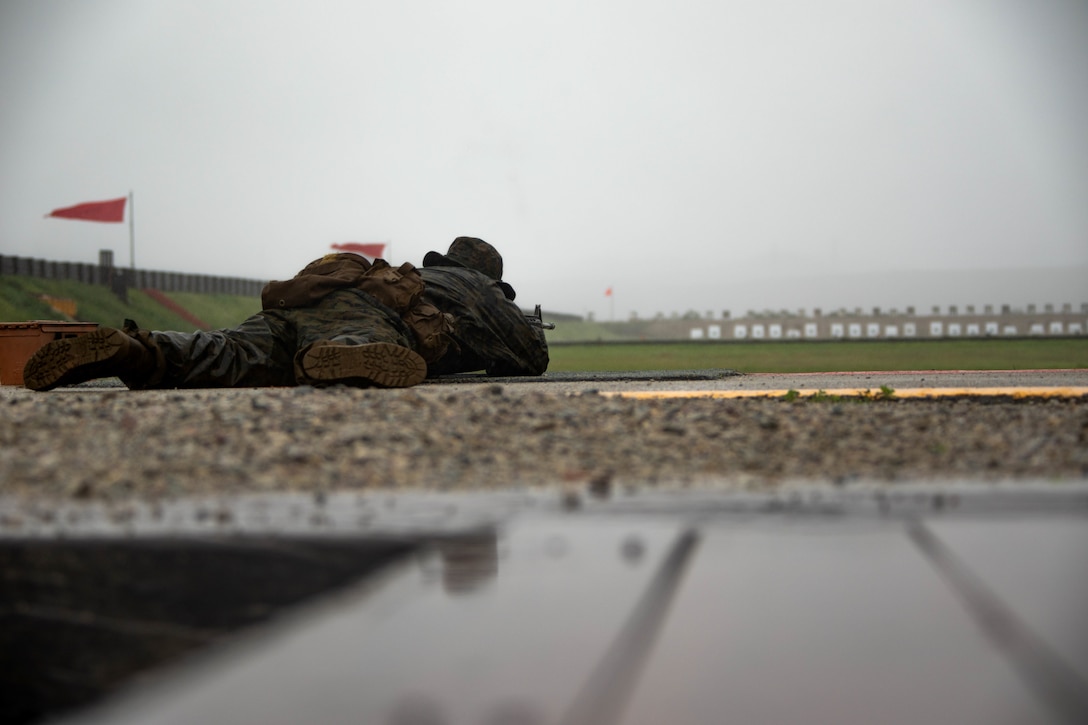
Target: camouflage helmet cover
472, 253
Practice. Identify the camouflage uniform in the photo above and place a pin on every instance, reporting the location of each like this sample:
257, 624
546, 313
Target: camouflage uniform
489, 331
455, 312
264, 349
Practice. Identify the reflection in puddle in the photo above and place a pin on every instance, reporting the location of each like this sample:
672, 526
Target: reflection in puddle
468, 562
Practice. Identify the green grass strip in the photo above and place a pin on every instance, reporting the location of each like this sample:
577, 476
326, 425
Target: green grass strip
802, 357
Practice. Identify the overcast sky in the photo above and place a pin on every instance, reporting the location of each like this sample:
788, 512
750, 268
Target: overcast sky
690, 154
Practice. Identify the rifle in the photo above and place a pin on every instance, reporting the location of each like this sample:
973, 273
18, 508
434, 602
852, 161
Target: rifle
537, 318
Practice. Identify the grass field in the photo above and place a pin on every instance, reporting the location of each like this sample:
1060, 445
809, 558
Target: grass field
799, 356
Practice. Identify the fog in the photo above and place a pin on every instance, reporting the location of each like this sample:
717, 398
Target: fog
688, 155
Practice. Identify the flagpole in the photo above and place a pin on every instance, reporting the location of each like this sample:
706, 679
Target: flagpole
131, 230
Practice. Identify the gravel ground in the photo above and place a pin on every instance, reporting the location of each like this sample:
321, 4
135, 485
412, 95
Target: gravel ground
110, 444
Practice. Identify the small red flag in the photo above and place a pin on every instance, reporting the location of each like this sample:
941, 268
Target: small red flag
608, 292
94, 211
367, 250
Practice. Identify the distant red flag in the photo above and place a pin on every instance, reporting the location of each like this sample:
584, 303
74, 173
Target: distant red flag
367, 250
94, 211
608, 292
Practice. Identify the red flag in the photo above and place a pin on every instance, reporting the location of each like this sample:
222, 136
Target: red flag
94, 211
608, 292
367, 250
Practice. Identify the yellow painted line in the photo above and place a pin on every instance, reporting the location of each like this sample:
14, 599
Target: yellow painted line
1008, 392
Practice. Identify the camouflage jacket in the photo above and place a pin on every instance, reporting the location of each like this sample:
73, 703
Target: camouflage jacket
400, 289
489, 331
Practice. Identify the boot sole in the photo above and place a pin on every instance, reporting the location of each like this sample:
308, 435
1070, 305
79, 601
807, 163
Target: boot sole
73, 360
378, 363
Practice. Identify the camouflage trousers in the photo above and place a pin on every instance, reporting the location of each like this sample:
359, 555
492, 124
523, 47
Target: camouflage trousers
264, 349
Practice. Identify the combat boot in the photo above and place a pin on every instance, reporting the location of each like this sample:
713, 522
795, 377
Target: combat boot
104, 353
380, 364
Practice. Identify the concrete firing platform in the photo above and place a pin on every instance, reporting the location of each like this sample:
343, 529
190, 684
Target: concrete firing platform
726, 380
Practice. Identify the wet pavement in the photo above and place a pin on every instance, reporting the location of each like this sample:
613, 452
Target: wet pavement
725, 380
949, 603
